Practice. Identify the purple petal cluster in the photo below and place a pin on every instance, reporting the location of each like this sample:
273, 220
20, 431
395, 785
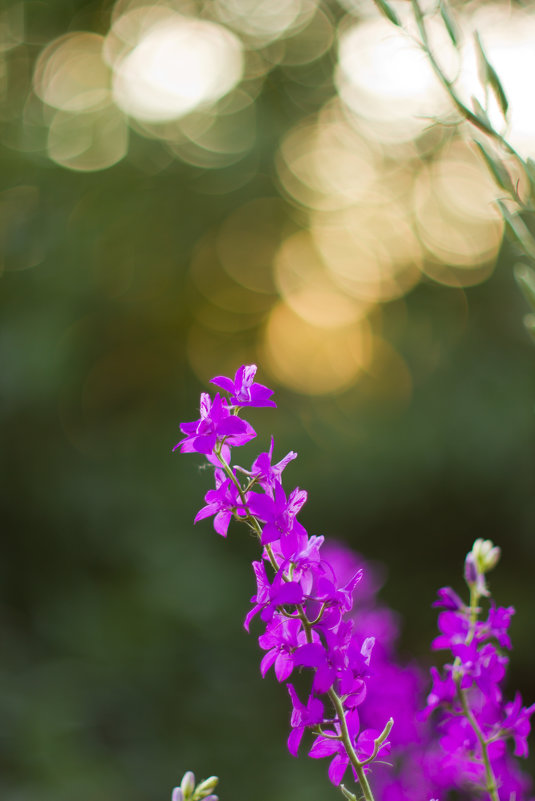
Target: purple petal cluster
306, 595
304, 607
478, 728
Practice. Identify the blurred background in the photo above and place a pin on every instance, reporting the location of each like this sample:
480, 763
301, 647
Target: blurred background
186, 186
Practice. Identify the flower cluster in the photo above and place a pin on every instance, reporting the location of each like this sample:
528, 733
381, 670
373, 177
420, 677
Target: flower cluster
305, 599
304, 607
475, 722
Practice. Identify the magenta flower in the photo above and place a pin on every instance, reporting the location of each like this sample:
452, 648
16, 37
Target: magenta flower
498, 622
306, 564
279, 515
266, 474
216, 424
243, 390
302, 717
269, 596
448, 599
281, 639
224, 502
517, 724
363, 743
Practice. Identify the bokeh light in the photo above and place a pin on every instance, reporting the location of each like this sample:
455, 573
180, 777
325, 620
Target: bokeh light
386, 80
456, 217
507, 32
177, 65
314, 360
308, 289
372, 251
324, 164
87, 142
71, 75
263, 21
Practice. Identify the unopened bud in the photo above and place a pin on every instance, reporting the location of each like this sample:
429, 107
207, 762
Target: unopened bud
187, 785
470, 570
486, 555
177, 795
211, 798
205, 787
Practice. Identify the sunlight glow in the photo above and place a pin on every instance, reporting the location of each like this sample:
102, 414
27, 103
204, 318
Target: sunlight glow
383, 78
70, 74
313, 360
507, 33
178, 65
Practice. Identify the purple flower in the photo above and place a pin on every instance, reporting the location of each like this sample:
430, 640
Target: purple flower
448, 599
215, 425
306, 563
266, 474
517, 724
302, 716
498, 622
281, 639
337, 601
323, 747
223, 502
444, 691
363, 743
454, 628
269, 596
279, 515
243, 390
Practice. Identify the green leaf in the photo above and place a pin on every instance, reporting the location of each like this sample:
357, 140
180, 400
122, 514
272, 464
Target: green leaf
489, 76
449, 24
520, 230
480, 111
525, 278
388, 11
419, 18
498, 171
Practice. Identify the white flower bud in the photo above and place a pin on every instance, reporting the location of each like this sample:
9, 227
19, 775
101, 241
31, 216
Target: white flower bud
187, 785
486, 555
206, 786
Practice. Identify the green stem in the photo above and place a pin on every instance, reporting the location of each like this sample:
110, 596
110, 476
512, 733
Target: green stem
346, 739
490, 779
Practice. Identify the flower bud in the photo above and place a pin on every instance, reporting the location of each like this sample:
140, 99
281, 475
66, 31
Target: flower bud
470, 570
486, 555
211, 798
177, 795
205, 787
448, 599
187, 785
